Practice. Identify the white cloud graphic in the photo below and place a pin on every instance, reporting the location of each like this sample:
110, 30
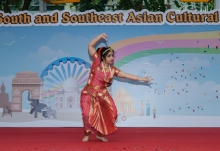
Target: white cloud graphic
46, 52
46, 55
45, 63
166, 68
68, 42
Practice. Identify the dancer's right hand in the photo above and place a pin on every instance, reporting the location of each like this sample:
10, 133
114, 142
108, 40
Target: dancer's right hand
104, 36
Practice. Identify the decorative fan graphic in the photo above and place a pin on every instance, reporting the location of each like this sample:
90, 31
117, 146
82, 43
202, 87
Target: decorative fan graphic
59, 71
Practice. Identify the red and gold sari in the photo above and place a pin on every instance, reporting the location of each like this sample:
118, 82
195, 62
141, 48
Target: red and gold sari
98, 107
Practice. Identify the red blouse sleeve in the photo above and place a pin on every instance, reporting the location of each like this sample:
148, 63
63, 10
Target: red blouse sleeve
96, 60
116, 71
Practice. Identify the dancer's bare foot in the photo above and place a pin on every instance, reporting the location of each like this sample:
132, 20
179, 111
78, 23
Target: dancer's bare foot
86, 136
85, 139
102, 138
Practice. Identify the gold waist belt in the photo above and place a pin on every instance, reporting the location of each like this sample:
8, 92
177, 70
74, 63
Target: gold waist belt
96, 87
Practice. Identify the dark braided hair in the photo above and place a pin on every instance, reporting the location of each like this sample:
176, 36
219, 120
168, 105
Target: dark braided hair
103, 51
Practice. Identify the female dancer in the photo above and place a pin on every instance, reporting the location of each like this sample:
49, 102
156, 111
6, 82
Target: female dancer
98, 108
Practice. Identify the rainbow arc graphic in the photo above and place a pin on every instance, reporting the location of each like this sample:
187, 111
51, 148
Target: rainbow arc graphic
137, 47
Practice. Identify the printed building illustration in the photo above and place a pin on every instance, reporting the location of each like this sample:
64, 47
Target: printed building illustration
124, 102
68, 96
24, 81
4, 99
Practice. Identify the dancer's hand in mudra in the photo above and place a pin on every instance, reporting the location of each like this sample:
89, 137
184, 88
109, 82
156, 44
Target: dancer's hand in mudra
104, 36
145, 79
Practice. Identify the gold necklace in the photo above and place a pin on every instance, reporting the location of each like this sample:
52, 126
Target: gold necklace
106, 68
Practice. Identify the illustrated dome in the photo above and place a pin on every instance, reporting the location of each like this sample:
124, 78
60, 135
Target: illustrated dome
70, 85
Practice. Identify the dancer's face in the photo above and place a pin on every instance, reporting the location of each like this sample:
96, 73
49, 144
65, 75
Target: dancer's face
109, 59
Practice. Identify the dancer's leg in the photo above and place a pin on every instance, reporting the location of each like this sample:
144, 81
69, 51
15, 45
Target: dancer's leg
85, 105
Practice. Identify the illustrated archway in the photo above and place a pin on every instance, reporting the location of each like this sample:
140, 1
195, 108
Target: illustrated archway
24, 81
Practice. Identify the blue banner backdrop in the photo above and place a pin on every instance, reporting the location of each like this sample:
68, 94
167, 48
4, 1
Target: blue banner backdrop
52, 62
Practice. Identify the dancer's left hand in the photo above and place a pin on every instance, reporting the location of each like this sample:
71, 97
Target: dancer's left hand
146, 79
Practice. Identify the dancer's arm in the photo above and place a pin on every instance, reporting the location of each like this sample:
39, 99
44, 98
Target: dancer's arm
93, 42
122, 74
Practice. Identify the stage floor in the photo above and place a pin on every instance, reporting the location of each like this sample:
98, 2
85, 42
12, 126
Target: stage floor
141, 139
